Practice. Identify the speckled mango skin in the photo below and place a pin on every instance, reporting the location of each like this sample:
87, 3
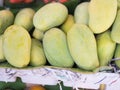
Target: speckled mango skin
6, 19
50, 15
82, 46
101, 15
56, 48
24, 18
17, 46
37, 56
105, 47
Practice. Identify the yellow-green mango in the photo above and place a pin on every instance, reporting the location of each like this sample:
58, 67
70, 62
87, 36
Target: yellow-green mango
2, 58
24, 18
68, 23
105, 47
82, 46
50, 15
115, 32
6, 19
117, 55
81, 14
56, 49
37, 34
102, 14
37, 56
17, 46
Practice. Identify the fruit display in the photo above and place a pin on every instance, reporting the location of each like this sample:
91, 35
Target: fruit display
51, 37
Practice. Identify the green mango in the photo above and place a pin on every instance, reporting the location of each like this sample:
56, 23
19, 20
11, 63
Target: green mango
24, 18
50, 15
117, 55
102, 14
115, 32
81, 13
37, 56
105, 47
82, 46
6, 19
56, 48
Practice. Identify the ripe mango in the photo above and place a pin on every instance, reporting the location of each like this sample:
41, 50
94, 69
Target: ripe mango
56, 49
37, 56
17, 46
37, 34
82, 46
117, 55
115, 32
24, 18
105, 47
50, 15
68, 23
81, 14
6, 19
102, 14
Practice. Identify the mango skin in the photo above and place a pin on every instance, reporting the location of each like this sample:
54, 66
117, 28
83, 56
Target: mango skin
66, 26
82, 46
56, 49
50, 15
117, 55
115, 32
24, 18
17, 46
6, 19
118, 4
105, 47
37, 34
37, 56
2, 57
101, 15
81, 14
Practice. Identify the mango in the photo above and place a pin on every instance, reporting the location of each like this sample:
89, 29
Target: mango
24, 18
115, 32
117, 55
81, 14
37, 56
17, 46
6, 19
82, 46
118, 3
2, 57
56, 49
105, 47
50, 15
37, 34
68, 23
102, 14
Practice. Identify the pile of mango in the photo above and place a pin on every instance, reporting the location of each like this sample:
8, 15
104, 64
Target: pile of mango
89, 38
